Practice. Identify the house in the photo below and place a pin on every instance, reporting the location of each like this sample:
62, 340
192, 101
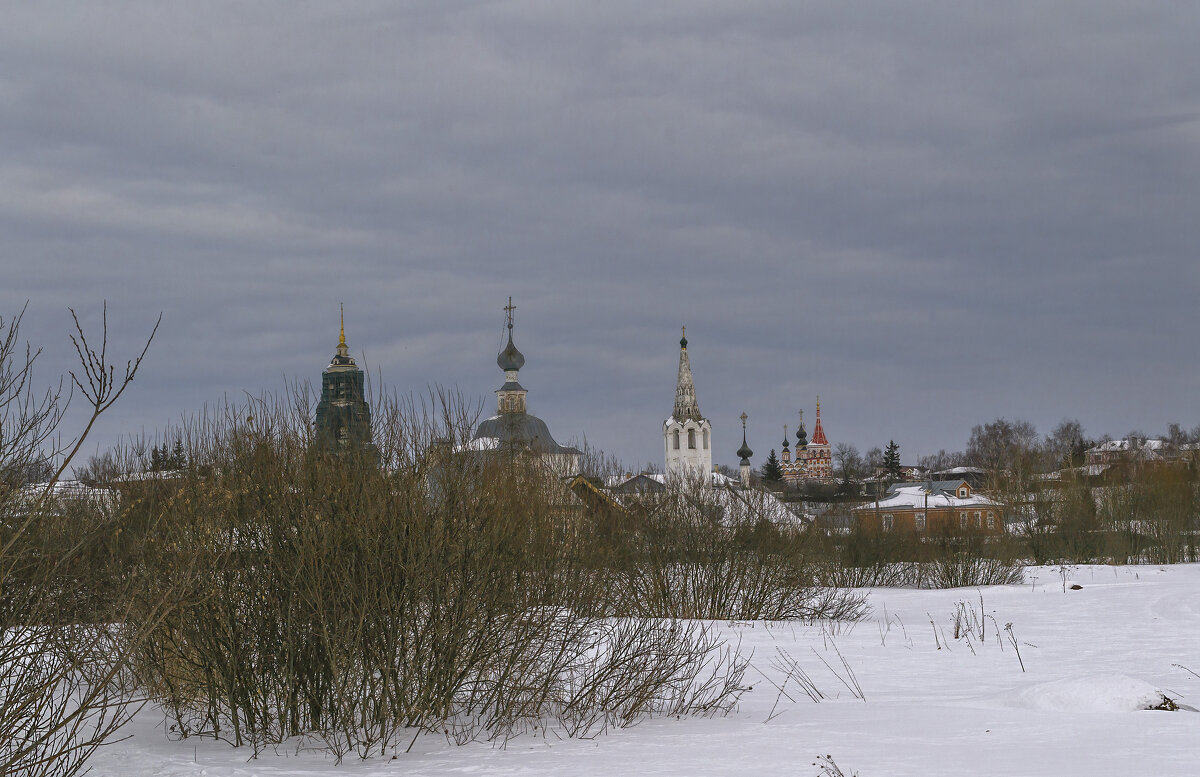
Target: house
1131, 450
932, 506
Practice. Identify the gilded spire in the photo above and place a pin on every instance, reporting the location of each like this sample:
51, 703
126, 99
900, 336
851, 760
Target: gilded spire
343, 351
342, 359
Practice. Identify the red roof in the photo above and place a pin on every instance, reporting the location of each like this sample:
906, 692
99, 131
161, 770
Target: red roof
819, 437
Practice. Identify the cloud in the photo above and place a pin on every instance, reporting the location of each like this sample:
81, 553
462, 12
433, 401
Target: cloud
931, 216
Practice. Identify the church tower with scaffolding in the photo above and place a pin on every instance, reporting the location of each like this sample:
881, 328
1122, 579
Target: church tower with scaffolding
343, 416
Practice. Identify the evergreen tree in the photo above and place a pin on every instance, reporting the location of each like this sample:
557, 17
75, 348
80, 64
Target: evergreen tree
178, 457
771, 470
891, 460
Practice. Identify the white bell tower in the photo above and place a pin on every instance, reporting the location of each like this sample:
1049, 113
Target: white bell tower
687, 434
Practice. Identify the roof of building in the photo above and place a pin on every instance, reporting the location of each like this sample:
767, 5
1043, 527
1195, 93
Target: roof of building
60, 493
510, 358
734, 503
818, 435
962, 471
686, 406
522, 430
1128, 444
744, 453
939, 494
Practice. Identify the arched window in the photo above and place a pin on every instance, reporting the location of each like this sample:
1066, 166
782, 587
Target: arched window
691, 439
705, 439
675, 435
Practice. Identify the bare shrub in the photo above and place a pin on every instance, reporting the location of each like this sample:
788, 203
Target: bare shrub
698, 552
63, 646
419, 586
827, 767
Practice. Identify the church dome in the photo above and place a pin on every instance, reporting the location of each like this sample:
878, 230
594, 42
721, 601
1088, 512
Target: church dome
510, 358
523, 431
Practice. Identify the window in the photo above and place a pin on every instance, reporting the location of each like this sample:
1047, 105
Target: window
675, 435
920, 521
887, 523
962, 493
962, 519
691, 439
978, 520
991, 520
705, 439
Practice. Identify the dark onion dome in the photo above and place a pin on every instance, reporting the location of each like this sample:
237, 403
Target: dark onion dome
744, 452
510, 358
801, 438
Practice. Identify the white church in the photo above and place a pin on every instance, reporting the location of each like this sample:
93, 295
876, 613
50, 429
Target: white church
687, 435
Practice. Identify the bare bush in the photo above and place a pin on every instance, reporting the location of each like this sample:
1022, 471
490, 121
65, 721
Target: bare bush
699, 552
63, 647
444, 591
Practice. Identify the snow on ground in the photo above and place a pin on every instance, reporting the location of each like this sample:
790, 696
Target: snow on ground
1093, 657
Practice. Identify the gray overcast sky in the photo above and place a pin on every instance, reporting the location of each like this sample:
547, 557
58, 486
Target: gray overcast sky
931, 214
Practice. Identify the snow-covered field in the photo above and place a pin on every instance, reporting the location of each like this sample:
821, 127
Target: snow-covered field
1092, 657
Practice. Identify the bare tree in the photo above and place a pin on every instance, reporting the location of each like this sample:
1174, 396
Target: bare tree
1008, 450
851, 467
942, 460
1065, 445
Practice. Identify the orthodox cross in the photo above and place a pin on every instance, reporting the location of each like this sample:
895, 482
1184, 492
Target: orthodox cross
744, 417
508, 310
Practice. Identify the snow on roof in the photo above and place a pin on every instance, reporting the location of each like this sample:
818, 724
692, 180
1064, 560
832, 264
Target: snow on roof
917, 497
1129, 444
64, 491
716, 479
152, 474
736, 503
479, 444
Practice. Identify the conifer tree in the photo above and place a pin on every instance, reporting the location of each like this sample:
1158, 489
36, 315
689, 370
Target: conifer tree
891, 460
771, 470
